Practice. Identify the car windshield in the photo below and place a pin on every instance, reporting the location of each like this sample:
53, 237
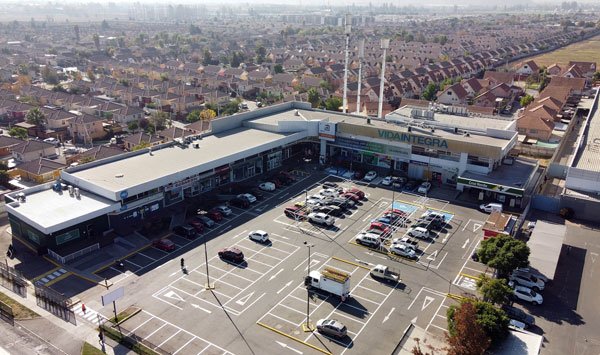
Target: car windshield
533, 293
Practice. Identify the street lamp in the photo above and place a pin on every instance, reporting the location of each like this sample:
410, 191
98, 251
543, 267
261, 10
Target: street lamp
352, 159
347, 30
361, 56
207, 285
385, 44
307, 327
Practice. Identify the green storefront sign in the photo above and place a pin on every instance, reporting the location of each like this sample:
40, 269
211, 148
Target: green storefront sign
491, 187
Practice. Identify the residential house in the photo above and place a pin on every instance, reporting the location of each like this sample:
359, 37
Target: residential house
573, 72
534, 126
98, 152
39, 170
472, 87
86, 128
371, 109
7, 143
128, 114
453, 95
169, 134
496, 77
586, 68
33, 149
141, 138
554, 70
528, 68
485, 99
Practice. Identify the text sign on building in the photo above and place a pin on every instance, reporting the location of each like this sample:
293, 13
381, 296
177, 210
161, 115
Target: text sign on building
413, 139
327, 131
490, 186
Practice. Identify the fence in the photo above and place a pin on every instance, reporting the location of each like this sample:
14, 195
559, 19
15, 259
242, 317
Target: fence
54, 302
72, 256
6, 313
13, 280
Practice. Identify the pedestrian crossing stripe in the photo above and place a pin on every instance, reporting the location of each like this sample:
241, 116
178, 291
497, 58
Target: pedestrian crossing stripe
51, 276
89, 315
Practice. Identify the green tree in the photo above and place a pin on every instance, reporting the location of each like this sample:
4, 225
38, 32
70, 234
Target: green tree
467, 336
278, 68
49, 75
207, 57
504, 253
261, 52
207, 114
597, 75
430, 91
493, 320
526, 100
18, 132
158, 121
96, 39
495, 291
133, 126
105, 25
333, 104
140, 146
36, 117
313, 97
193, 116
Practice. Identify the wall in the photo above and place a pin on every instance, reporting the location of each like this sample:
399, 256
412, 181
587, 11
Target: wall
535, 151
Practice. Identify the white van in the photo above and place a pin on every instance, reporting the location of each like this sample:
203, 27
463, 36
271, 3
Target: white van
491, 207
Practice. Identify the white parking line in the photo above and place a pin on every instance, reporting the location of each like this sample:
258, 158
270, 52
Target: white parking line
348, 317
132, 263
240, 234
136, 328
291, 309
184, 345
283, 319
156, 330
381, 293
166, 340
364, 299
220, 281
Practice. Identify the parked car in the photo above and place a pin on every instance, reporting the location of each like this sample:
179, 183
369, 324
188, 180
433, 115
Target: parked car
258, 193
490, 207
518, 314
515, 324
330, 210
370, 176
526, 294
410, 185
403, 250
409, 243
391, 219
231, 254
314, 200
207, 222
164, 244
331, 327
267, 186
357, 192
385, 230
432, 224
248, 197
329, 192
420, 233
275, 181
341, 202
239, 202
197, 225
330, 185
387, 181
349, 195
528, 281
288, 175
433, 215
371, 240
187, 231
321, 218
528, 271
424, 187
224, 210
259, 236
214, 215
295, 212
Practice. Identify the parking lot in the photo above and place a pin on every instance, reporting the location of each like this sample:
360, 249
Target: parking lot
260, 305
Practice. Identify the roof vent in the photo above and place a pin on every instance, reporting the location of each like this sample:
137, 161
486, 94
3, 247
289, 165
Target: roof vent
196, 145
467, 134
119, 175
296, 113
150, 150
77, 193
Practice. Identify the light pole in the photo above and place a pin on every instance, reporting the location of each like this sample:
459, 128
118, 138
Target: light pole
352, 159
361, 56
347, 30
307, 327
385, 44
207, 285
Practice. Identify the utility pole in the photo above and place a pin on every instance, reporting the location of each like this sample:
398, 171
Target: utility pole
385, 44
361, 56
307, 327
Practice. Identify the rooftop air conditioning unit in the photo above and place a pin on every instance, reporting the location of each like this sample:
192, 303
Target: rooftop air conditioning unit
77, 193
196, 145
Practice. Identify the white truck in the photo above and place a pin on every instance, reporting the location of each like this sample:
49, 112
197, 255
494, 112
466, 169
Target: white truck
331, 280
385, 273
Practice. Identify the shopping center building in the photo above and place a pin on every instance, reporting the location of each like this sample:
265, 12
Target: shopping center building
90, 203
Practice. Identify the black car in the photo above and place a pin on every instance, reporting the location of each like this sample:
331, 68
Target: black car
256, 192
330, 185
185, 231
432, 224
518, 314
231, 254
330, 210
410, 185
341, 202
239, 202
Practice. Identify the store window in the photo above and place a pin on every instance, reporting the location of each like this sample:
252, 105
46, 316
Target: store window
68, 236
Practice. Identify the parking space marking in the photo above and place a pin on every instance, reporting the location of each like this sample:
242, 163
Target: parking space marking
365, 288
132, 263
362, 298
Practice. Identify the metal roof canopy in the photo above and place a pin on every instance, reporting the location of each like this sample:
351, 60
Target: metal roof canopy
545, 244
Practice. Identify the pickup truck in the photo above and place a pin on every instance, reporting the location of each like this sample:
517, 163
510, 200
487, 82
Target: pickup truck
385, 273
411, 243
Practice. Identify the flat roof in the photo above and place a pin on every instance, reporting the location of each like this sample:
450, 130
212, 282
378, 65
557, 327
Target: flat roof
516, 175
173, 163
588, 155
545, 244
473, 122
50, 211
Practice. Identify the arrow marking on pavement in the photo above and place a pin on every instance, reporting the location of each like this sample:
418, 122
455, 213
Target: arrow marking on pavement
445, 238
388, 315
198, 307
432, 256
284, 345
427, 302
476, 227
173, 295
242, 301
466, 243
286, 285
274, 276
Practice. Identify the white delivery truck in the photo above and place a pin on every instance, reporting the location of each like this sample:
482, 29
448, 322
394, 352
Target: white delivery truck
331, 280
385, 273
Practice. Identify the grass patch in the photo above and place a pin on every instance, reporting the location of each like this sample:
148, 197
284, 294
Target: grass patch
125, 314
127, 342
89, 349
19, 310
585, 51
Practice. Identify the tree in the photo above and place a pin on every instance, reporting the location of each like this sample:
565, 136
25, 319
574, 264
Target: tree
105, 25
76, 29
278, 68
140, 146
207, 114
526, 100
597, 76
133, 126
493, 320
313, 97
430, 91
333, 104
18, 132
158, 121
193, 116
96, 39
207, 57
35, 117
466, 335
90, 74
495, 291
49, 75
261, 52
504, 253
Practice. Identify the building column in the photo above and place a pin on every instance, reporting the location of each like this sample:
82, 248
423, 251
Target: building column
322, 151
462, 163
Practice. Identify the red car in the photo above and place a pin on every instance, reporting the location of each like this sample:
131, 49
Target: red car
295, 212
289, 176
399, 213
382, 227
198, 226
231, 254
351, 196
164, 244
357, 192
214, 215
